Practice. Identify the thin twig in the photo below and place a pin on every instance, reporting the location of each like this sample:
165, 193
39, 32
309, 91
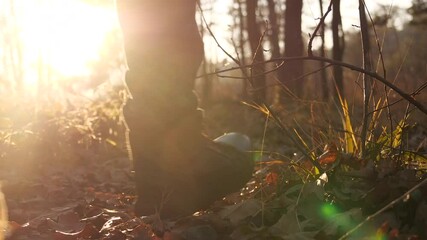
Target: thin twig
386, 92
374, 75
298, 78
381, 59
254, 76
292, 138
251, 70
367, 81
321, 22
416, 92
213, 35
391, 204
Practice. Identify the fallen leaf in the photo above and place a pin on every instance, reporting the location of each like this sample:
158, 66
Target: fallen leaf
67, 224
289, 227
241, 211
272, 178
343, 221
111, 223
203, 232
329, 156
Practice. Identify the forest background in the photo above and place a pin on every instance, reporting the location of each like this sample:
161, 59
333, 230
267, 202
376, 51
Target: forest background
335, 106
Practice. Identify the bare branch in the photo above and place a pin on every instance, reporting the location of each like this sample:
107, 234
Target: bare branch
321, 22
390, 205
367, 80
406, 96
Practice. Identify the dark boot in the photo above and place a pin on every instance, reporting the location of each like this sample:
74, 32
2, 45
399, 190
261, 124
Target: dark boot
178, 171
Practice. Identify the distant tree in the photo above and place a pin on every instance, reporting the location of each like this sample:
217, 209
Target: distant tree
293, 46
418, 12
324, 83
338, 44
257, 52
367, 80
11, 52
412, 38
206, 85
239, 22
274, 29
240, 25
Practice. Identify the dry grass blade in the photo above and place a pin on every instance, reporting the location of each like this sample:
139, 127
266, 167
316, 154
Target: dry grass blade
349, 137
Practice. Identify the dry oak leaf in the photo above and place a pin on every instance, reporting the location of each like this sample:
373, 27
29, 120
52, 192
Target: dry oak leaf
329, 156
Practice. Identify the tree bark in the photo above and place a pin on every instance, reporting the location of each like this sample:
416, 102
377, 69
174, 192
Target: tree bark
324, 82
367, 80
293, 46
206, 84
338, 44
274, 29
242, 46
257, 78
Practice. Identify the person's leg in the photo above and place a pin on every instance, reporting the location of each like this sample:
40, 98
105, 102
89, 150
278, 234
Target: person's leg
177, 170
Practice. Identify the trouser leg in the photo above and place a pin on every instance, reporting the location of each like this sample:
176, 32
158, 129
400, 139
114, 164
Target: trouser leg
176, 168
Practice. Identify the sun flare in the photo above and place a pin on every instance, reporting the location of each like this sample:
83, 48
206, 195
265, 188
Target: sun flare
61, 39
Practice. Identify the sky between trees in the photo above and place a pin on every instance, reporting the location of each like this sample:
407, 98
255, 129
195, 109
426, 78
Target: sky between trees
311, 13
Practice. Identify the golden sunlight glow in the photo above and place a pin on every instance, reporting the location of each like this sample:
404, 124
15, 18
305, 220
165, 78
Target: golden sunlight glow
61, 37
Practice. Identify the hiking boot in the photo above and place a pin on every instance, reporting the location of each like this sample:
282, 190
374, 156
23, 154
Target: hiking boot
178, 171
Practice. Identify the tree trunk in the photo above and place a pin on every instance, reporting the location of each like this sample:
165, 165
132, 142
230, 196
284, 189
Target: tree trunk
323, 82
206, 81
257, 78
338, 47
242, 46
367, 80
293, 46
274, 26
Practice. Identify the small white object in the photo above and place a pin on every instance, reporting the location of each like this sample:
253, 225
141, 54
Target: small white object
322, 180
236, 140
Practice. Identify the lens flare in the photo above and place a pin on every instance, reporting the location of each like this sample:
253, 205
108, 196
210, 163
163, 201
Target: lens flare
328, 210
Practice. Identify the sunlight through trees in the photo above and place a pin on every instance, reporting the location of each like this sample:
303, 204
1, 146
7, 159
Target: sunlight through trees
48, 43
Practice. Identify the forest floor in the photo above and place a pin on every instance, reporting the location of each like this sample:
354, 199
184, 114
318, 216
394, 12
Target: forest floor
88, 193
94, 198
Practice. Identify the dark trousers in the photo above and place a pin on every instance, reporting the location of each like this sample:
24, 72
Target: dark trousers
177, 170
